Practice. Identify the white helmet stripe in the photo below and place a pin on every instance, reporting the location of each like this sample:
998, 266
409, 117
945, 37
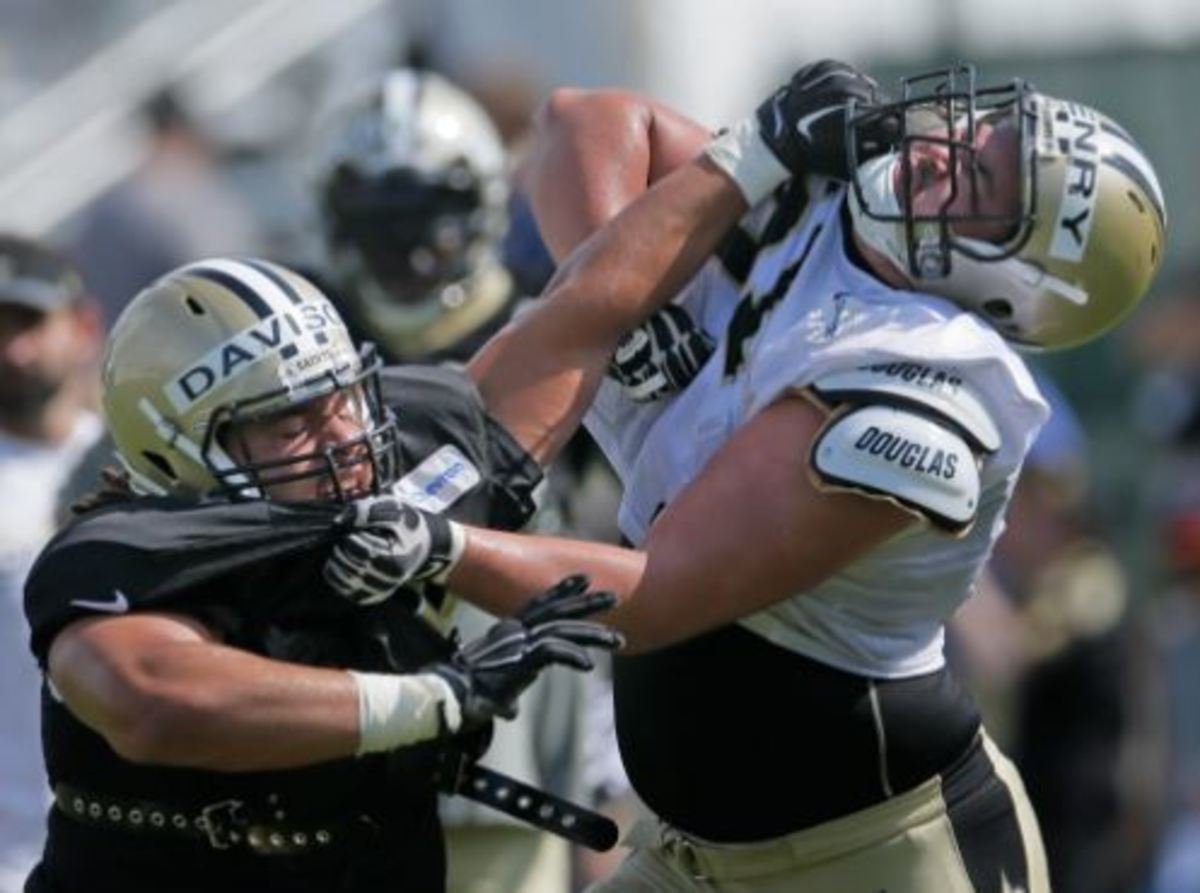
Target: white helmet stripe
252, 286
1136, 167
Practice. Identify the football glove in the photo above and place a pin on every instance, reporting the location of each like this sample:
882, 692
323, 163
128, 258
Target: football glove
804, 121
388, 544
661, 356
489, 673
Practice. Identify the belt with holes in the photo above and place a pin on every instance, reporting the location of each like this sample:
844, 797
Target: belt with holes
458, 773
222, 825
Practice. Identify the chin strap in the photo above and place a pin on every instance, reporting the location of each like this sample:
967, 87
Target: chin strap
459, 773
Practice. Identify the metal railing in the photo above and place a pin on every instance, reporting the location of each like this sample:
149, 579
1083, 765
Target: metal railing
67, 144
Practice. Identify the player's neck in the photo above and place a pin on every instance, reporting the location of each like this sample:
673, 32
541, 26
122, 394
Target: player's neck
877, 264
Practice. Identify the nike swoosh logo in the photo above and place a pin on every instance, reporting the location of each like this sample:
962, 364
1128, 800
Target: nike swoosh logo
806, 123
118, 604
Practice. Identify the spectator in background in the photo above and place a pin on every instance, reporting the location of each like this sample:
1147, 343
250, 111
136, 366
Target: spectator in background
50, 332
1063, 669
175, 208
1169, 411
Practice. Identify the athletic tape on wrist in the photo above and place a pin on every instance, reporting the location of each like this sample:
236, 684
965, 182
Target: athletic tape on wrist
395, 710
454, 554
741, 153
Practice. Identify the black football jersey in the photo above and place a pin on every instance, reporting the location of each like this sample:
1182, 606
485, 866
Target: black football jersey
252, 572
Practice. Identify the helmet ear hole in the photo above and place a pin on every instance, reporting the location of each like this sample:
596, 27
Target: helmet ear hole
998, 308
193, 305
157, 460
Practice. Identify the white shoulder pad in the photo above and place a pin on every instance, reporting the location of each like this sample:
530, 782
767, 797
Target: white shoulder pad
922, 464
940, 389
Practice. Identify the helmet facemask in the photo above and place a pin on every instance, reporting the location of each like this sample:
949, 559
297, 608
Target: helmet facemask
375, 446
941, 113
1073, 246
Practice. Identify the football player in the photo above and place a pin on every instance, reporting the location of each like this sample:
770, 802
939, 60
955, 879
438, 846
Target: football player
214, 716
412, 185
807, 510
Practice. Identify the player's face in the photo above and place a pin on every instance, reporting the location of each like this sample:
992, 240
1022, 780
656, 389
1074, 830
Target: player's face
968, 185
331, 426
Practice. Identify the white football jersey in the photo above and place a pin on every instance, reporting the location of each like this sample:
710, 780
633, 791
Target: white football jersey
788, 306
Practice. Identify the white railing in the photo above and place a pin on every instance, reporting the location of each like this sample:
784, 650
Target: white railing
67, 144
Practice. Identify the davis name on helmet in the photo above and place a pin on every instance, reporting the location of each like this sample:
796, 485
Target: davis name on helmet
412, 185
220, 341
1087, 235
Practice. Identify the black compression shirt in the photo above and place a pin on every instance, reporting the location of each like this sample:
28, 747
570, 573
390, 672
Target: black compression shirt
733, 738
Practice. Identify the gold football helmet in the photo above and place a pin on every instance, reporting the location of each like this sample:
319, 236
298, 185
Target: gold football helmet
220, 341
1081, 245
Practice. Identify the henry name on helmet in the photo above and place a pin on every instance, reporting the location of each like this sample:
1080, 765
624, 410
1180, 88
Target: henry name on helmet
209, 354
1040, 214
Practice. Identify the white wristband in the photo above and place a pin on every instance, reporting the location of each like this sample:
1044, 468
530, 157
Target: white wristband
458, 543
395, 710
741, 153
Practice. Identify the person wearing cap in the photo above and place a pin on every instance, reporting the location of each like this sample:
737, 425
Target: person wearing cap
50, 334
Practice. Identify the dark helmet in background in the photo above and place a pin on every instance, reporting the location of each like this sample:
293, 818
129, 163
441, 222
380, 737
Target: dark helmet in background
412, 185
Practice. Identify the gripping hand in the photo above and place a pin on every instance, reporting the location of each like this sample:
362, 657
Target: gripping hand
804, 121
801, 129
661, 355
390, 543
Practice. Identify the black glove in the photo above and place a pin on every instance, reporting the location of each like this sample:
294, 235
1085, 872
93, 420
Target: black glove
488, 674
804, 121
661, 355
389, 544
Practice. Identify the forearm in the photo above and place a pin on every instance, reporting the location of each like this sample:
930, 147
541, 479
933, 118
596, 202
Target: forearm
539, 375
500, 572
161, 694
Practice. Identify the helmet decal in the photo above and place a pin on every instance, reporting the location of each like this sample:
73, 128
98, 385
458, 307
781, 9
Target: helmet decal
225, 341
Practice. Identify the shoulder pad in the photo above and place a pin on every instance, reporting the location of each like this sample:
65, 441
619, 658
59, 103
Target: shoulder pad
924, 465
939, 389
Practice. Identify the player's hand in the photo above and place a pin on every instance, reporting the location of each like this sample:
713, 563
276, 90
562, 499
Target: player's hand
387, 544
661, 356
804, 122
489, 674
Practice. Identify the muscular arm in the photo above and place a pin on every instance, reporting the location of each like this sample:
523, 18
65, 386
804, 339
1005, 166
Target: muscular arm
593, 153
160, 689
540, 373
751, 530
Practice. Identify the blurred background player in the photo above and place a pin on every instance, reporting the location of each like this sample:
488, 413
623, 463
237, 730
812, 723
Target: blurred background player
50, 333
412, 187
412, 181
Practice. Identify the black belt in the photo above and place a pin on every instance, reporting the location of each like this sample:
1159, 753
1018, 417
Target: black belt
231, 824
458, 773
223, 825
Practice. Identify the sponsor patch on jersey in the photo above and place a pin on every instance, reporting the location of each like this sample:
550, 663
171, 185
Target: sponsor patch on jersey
440, 481
1076, 136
